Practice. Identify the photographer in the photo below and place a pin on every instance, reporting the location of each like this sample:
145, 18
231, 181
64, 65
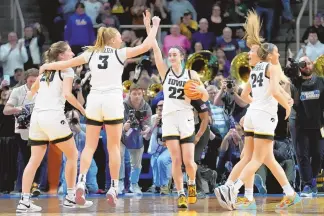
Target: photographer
73, 117
229, 97
137, 121
307, 90
77, 92
20, 105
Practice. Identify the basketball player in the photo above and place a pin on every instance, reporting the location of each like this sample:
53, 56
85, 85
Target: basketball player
259, 123
105, 100
49, 125
178, 119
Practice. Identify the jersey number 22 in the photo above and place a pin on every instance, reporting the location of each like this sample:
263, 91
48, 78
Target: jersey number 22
174, 91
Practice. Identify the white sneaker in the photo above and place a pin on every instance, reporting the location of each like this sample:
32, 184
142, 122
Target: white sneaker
226, 196
112, 196
69, 202
29, 206
121, 187
80, 193
135, 189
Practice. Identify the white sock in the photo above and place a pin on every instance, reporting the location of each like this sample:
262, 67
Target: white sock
181, 192
114, 183
25, 197
82, 178
237, 185
248, 193
229, 182
288, 190
70, 192
191, 182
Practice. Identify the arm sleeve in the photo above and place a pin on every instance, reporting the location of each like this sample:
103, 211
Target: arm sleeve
200, 106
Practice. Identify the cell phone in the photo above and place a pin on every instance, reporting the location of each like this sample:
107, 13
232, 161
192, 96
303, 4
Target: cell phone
7, 78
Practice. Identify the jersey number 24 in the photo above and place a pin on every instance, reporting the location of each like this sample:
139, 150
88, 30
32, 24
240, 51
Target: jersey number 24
257, 80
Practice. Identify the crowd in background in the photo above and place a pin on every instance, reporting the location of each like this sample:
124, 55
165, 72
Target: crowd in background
195, 27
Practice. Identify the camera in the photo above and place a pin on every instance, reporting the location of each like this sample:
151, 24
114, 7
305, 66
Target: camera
293, 71
136, 117
229, 83
23, 118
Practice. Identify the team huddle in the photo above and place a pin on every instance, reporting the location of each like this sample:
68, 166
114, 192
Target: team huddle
181, 88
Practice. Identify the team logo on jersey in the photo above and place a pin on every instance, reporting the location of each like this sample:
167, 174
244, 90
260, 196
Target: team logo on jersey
272, 120
310, 95
62, 122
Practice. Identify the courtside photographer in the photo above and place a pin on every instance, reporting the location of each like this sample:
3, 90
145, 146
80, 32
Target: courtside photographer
306, 121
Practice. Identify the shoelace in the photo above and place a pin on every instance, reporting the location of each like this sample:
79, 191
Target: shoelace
191, 190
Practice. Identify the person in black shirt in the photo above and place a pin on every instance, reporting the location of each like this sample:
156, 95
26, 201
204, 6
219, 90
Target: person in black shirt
8, 146
308, 94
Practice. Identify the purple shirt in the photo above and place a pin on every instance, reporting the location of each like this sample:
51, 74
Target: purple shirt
206, 39
228, 48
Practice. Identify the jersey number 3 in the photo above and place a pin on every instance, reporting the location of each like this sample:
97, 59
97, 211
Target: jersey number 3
104, 62
174, 91
257, 79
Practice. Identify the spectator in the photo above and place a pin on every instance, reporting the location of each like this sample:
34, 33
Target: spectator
203, 36
17, 78
107, 19
287, 11
216, 22
73, 117
228, 44
224, 64
178, 7
237, 12
68, 7
161, 158
265, 9
319, 28
21, 105
314, 47
137, 11
126, 38
137, 123
34, 40
240, 32
175, 39
8, 159
198, 47
219, 120
79, 24
92, 9
13, 55
160, 8
188, 26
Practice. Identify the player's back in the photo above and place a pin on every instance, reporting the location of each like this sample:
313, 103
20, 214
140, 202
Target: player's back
260, 84
106, 68
50, 93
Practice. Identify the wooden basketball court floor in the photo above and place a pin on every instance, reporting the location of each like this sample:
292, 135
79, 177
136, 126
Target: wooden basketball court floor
152, 204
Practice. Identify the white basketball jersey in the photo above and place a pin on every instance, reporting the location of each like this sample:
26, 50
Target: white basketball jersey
50, 93
260, 84
173, 89
106, 68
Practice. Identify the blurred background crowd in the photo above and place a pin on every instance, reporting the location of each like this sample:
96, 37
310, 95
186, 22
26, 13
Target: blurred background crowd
213, 25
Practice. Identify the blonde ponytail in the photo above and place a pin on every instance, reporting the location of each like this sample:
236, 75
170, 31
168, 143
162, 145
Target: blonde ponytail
252, 28
105, 35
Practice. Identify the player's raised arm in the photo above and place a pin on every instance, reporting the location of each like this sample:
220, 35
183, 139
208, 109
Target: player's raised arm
147, 43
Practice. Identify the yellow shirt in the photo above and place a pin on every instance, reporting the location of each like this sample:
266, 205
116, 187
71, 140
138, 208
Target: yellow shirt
185, 31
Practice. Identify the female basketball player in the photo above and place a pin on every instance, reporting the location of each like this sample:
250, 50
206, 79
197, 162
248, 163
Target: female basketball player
105, 101
266, 90
49, 125
178, 120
